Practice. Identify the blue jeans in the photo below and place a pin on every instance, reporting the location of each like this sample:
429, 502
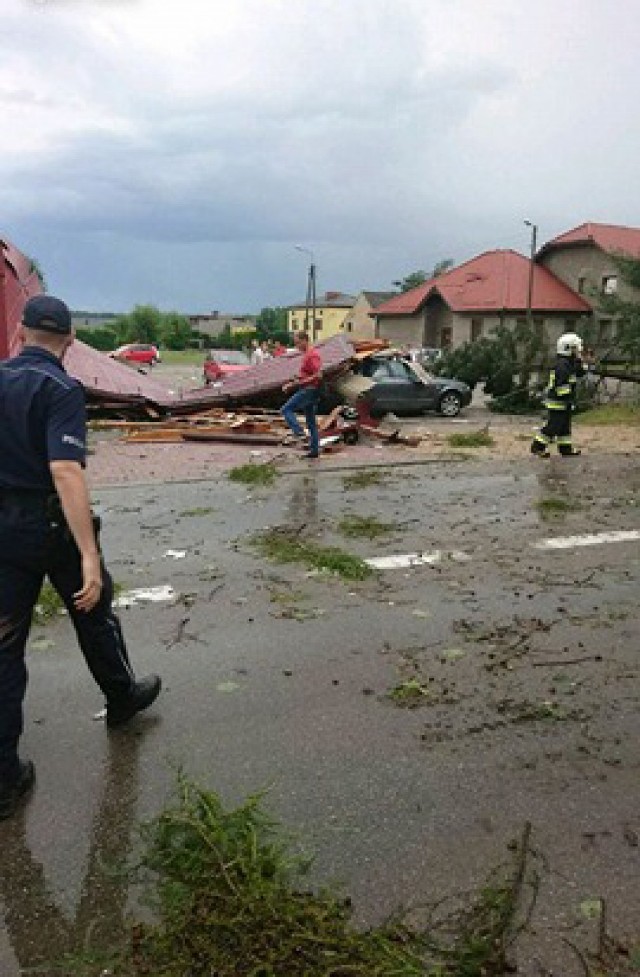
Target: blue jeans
306, 400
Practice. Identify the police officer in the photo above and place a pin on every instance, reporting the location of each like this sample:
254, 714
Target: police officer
46, 528
560, 398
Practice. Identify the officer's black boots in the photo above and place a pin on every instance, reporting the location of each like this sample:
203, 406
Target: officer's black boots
144, 693
12, 794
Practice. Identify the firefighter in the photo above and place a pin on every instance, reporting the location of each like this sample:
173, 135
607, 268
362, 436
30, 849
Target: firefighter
560, 398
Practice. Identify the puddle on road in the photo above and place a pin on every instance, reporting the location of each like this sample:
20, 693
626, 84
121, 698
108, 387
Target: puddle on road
40, 932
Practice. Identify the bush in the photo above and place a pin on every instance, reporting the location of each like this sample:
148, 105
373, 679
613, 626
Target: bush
102, 339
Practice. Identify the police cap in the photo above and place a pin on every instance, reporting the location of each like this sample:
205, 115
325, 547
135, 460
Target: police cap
48, 314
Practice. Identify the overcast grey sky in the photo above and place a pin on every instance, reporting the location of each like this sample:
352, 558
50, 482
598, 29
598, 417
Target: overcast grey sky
176, 151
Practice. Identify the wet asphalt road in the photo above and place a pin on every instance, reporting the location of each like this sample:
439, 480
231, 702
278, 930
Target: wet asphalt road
278, 678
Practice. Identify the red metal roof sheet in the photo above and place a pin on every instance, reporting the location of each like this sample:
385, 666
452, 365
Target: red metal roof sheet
18, 282
609, 237
104, 379
269, 376
495, 281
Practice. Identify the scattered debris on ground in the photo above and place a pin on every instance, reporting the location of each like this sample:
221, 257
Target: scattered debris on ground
285, 545
231, 900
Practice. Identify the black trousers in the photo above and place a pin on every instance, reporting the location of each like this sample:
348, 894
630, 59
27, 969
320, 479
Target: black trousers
30, 549
558, 429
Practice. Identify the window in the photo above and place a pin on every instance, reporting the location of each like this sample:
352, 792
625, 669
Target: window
446, 337
294, 323
349, 327
582, 284
318, 323
605, 331
476, 329
609, 284
398, 369
380, 371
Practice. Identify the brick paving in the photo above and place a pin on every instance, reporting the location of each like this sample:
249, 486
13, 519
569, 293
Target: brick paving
115, 463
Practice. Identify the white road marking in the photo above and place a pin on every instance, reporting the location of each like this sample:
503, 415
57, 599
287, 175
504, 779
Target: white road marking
404, 560
174, 554
592, 539
145, 595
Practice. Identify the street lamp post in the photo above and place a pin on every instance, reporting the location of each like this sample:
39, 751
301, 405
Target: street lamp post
534, 238
310, 301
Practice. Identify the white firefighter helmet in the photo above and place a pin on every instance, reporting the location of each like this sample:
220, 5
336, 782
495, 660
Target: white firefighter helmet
569, 344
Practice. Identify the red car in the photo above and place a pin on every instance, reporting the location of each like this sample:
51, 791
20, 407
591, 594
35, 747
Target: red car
137, 353
221, 363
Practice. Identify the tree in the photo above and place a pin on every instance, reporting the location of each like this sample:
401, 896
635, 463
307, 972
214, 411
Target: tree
416, 278
625, 311
412, 280
140, 326
494, 361
441, 267
34, 268
271, 324
175, 330
103, 339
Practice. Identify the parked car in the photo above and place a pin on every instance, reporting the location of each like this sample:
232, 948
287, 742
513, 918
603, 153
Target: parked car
137, 353
221, 363
400, 387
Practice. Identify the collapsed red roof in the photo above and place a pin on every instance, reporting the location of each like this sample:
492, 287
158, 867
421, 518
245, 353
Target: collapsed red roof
108, 382
19, 280
495, 281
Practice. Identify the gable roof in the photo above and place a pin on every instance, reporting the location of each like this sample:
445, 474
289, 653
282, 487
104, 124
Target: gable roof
608, 237
495, 281
377, 298
330, 300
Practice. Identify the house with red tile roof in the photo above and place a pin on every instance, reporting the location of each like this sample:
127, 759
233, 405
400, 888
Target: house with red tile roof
477, 296
583, 258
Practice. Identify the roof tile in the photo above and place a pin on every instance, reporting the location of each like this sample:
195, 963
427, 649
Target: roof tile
495, 281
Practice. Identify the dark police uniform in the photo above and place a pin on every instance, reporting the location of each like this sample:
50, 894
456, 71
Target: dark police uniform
560, 402
42, 419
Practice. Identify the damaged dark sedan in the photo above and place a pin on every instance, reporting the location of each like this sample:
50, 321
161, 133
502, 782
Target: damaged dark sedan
403, 388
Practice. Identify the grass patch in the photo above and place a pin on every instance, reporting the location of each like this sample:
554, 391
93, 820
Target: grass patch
610, 414
286, 546
410, 694
254, 474
363, 479
475, 439
230, 899
49, 604
365, 527
192, 513
182, 357
555, 506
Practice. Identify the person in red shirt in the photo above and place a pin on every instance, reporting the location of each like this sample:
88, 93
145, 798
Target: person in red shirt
307, 393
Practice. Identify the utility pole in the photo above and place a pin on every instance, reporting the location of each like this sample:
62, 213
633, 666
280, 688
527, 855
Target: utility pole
534, 239
310, 302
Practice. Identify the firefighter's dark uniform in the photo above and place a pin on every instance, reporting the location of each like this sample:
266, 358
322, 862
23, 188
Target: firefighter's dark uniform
42, 419
559, 401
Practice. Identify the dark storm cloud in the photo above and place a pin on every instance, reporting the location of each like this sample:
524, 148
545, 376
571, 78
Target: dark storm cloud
385, 136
